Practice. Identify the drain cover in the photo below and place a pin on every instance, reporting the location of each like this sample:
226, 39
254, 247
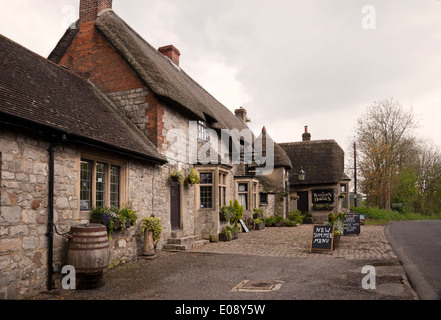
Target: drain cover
258, 286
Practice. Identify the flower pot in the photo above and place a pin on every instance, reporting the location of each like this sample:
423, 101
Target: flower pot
149, 244
337, 238
260, 226
224, 237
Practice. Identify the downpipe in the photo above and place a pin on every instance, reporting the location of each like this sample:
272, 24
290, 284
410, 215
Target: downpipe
50, 230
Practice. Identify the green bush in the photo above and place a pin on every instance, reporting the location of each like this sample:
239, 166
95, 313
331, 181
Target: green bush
296, 217
269, 222
375, 215
289, 223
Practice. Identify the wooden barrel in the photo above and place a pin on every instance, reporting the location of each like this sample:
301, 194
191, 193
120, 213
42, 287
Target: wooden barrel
89, 254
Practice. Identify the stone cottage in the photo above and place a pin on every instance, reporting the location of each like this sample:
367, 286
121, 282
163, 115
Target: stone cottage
103, 122
325, 187
56, 129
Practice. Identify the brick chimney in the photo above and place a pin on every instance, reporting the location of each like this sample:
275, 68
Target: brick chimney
241, 113
171, 52
89, 9
306, 136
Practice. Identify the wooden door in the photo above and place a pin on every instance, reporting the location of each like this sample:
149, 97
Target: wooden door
303, 201
175, 203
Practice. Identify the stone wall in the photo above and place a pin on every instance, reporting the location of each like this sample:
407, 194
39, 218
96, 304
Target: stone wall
23, 214
24, 209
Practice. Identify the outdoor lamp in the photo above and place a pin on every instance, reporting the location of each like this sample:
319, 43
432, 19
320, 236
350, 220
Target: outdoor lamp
301, 175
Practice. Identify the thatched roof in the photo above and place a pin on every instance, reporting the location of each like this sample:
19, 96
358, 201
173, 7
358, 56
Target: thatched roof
164, 78
38, 92
322, 160
281, 159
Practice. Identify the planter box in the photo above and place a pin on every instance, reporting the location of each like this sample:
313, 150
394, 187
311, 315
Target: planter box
225, 237
259, 226
336, 243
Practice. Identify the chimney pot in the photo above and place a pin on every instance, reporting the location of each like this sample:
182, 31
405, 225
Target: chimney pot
171, 52
89, 9
241, 113
306, 136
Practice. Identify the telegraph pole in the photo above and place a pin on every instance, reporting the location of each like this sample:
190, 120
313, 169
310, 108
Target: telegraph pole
355, 175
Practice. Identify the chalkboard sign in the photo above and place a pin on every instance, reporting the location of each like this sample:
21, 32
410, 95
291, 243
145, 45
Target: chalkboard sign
351, 224
322, 238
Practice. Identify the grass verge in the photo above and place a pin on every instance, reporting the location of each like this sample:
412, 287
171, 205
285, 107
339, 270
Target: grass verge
375, 216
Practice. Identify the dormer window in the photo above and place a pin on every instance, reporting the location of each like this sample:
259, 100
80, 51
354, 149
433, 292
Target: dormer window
202, 131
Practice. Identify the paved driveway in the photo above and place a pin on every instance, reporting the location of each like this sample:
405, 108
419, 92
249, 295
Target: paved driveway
295, 242
271, 264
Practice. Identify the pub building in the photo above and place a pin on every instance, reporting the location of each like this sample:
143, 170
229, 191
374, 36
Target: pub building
317, 182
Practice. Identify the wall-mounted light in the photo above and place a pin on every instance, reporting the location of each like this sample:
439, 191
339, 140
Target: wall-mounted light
301, 174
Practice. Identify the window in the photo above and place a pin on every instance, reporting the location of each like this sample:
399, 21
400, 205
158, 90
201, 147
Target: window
100, 184
254, 195
222, 189
243, 195
264, 198
202, 131
86, 185
115, 174
206, 190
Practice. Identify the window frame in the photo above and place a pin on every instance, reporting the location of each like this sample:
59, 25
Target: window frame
204, 185
252, 198
109, 163
203, 135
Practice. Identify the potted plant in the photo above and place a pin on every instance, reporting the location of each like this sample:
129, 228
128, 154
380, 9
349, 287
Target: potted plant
235, 230
257, 213
260, 224
226, 213
226, 234
192, 178
319, 207
337, 222
114, 218
238, 212
151, 229
177, 175
338, 232
127, 216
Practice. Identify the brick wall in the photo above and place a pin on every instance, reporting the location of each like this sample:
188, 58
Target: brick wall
92, 57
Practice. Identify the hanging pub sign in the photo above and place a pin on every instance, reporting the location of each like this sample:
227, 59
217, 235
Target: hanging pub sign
322, 238
322, 196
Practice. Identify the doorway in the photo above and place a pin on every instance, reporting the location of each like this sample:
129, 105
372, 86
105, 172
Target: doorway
175, 205
303, 201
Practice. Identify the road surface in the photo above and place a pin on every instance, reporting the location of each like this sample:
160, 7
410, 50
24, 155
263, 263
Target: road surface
418, 246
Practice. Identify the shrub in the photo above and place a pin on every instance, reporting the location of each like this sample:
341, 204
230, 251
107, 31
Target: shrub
257, 213
289, 223
269, 222
296, 217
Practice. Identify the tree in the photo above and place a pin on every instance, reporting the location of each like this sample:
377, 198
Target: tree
383, 136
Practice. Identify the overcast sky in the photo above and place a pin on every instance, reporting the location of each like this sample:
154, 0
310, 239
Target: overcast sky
289, 63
